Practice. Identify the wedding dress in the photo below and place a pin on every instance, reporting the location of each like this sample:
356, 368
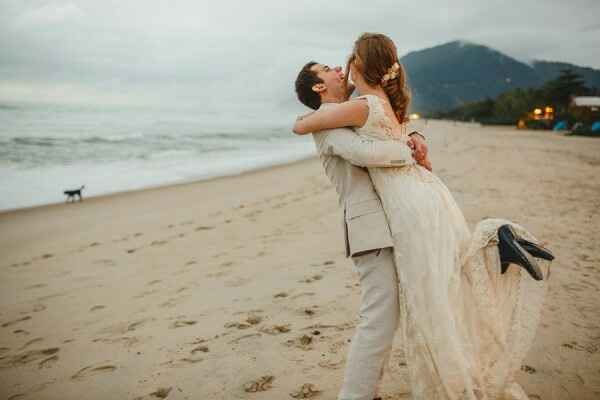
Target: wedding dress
466, 327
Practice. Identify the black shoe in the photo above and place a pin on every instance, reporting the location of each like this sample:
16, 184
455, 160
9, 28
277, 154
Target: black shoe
536, 250
511, 252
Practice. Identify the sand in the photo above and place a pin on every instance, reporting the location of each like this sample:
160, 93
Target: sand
238, 288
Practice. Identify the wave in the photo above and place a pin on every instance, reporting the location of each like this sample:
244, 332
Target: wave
48, 141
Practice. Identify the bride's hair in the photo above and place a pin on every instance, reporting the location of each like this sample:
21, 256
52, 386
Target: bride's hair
376, 57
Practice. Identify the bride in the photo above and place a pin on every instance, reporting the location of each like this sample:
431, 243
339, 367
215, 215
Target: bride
467, 319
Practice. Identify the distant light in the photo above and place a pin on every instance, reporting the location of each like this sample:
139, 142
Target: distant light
508, 80
537, 111
414, 116
549, 110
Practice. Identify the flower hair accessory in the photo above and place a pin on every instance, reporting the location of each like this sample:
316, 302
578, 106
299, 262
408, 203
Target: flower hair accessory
392, 73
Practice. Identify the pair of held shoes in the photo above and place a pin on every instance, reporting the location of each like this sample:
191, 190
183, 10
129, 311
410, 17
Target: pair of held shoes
516, 250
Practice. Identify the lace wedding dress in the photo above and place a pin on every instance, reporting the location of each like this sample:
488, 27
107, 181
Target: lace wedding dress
466, 327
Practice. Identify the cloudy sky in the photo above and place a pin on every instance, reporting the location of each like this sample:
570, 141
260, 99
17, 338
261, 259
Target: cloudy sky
223, 53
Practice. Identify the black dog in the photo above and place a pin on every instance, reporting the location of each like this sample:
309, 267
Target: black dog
72, 193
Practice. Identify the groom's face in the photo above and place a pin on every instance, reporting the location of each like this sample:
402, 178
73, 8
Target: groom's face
333, 78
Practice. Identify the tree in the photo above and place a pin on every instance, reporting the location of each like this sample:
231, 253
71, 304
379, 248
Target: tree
559, 91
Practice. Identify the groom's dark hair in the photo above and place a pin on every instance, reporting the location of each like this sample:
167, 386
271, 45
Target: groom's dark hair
306, 79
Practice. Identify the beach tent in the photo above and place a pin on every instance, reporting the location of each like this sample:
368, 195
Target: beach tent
560, 126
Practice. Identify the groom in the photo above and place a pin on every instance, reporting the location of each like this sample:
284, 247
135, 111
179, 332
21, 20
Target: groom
368, 239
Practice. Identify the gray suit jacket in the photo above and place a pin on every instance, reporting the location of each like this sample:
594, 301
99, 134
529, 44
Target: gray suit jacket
345, 156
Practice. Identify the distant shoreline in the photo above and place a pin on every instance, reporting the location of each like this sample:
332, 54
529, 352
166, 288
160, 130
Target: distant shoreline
158, 186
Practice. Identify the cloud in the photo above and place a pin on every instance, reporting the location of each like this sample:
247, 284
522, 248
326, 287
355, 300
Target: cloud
246, 54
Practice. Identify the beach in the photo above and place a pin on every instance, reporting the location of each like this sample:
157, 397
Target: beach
238, 287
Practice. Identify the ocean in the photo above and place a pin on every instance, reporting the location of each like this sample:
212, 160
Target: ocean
45, 150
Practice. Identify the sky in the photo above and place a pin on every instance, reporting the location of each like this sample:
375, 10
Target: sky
228, 55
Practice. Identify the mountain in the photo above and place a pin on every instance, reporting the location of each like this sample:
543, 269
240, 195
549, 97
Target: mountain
452, 74
548, 70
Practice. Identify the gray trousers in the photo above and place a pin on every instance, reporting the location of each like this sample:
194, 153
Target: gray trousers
379, 317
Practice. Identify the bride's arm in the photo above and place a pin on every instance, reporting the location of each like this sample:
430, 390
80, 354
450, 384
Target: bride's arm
350, 113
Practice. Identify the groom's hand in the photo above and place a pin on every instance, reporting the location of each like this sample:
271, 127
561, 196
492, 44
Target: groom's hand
419, 147
420, 151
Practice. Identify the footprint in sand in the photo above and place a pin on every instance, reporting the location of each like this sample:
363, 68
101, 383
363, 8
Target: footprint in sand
26, 357
36, 286
97, 307
253, 214
30, 342
134, 325
15, 321
247, 323
182, 362
153, 282
218, 274
145, 293
105, 261
158, 242
280, 294
239, 325
48, 362
237, 281
203, 228
528, 369
332, 363
92, 370
338, 327
306, 391
172, 302
303, 342
160, 393
129, 251
310, 279
201, 348
276, 329
21, 264
47, 255
337, 346
261, 384
38, 308
128, 341
310, 311
303, 294
182, 323
21, 332
124, 327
